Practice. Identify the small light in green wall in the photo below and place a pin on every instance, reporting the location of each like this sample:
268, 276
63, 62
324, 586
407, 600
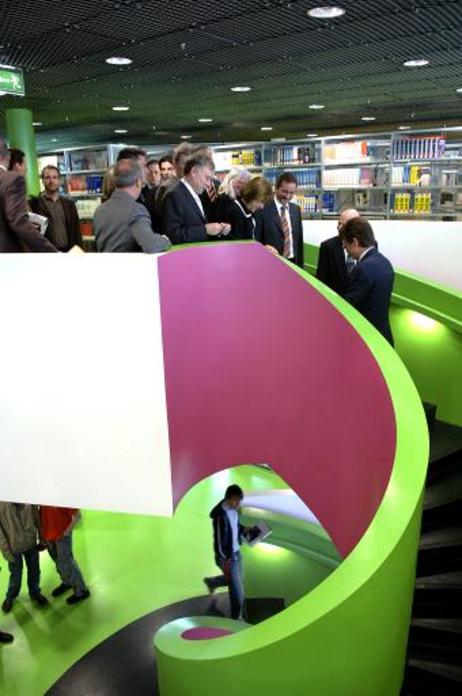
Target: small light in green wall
424, 323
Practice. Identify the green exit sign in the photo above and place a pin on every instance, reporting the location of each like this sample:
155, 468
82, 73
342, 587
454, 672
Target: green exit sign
11, 80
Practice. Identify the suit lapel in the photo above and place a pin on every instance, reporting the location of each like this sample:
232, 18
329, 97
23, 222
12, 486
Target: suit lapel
192, 203
276, 217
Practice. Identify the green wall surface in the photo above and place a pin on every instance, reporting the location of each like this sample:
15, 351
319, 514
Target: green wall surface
426, 320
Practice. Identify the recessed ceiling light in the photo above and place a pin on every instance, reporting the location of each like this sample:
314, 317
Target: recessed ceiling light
118, 60
317, 106
403, 127
326, 12
121, 108
2, 93
153, 128
367, 118
120, 130
205, 120
54, 140
37, 123
266, 128
241, 89
459, 90
185, 137
311, 135
418, 63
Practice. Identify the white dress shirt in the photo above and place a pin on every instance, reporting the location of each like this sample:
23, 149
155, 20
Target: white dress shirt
364, 253
194, 195
279, 207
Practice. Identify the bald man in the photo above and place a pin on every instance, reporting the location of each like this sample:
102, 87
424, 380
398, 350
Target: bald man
334, 264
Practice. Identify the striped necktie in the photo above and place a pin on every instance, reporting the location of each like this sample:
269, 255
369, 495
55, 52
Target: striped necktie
286, 231
211, 191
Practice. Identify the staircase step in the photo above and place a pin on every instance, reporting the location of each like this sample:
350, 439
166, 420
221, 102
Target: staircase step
442, 466
445, 439
424, 678
442, 515
442, 581
446, 490
435, 644
440, 550
434, 602
448, 625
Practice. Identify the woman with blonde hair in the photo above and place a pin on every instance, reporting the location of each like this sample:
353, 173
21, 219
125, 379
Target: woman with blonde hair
241, 213
230, 188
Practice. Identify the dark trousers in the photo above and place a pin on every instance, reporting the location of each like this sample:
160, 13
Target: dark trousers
232, 578
31, 557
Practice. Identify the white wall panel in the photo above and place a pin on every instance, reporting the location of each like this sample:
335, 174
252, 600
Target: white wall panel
82, 398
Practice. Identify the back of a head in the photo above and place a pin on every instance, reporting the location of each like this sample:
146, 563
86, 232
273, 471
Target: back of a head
348, 214
182, 151
198, 160
126, 173
16, 157
130, 153
257, 189
359, 228
108, 183
4, 151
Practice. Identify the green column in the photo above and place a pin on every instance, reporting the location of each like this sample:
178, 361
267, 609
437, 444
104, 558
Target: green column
20, 133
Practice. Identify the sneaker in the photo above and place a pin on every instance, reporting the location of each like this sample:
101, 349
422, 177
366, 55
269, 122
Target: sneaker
40, 600
209, 585
75, 599
6, 637
61, 589
7, 605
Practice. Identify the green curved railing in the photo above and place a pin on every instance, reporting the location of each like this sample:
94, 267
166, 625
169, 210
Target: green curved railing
348, 636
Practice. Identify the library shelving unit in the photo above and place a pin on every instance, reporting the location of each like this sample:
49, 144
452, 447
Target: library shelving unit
412, 174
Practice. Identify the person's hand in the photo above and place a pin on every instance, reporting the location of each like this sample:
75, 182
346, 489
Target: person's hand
271, 249
213, 229
225, 228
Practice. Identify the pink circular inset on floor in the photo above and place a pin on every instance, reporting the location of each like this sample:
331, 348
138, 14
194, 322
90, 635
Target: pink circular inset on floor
205, 633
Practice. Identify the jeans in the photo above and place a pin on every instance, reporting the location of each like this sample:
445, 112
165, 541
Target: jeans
33, 573
66, 565
232, 578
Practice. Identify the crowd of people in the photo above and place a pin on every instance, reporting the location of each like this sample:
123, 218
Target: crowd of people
148, 206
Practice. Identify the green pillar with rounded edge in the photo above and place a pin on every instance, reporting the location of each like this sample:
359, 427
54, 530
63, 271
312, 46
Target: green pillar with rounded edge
20, 133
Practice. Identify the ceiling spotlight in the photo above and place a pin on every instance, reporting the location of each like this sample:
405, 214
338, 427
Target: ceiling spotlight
120, 130
37, 123
2, 93
118, 60
326, 12
418, 63
317, 106
266, 128
403, 127
457, 90
241, 89
311, 135
121, 108
54, 140
205, 120
367, 118
185, 137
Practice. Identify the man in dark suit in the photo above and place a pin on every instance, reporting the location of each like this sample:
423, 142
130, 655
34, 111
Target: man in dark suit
370, 284
63, 228
184, 218
334, 264
279, 224
147, 195
17, 233
180, 155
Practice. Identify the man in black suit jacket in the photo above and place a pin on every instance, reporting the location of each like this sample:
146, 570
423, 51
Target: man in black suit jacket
370, 284
334, 265
183, 217
279, 224
63, 228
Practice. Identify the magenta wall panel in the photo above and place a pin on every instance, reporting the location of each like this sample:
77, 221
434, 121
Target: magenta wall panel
260, 367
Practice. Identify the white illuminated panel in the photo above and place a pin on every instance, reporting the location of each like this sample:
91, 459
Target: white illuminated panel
83, 419
428, 248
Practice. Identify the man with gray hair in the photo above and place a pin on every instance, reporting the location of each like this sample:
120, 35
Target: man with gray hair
17, 233
121, 224
334, 263
184, 219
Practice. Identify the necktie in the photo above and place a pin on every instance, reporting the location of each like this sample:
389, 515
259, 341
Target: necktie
350, 263
211, 191
286, 231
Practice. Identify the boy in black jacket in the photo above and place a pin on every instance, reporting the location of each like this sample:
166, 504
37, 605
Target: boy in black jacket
227, 538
